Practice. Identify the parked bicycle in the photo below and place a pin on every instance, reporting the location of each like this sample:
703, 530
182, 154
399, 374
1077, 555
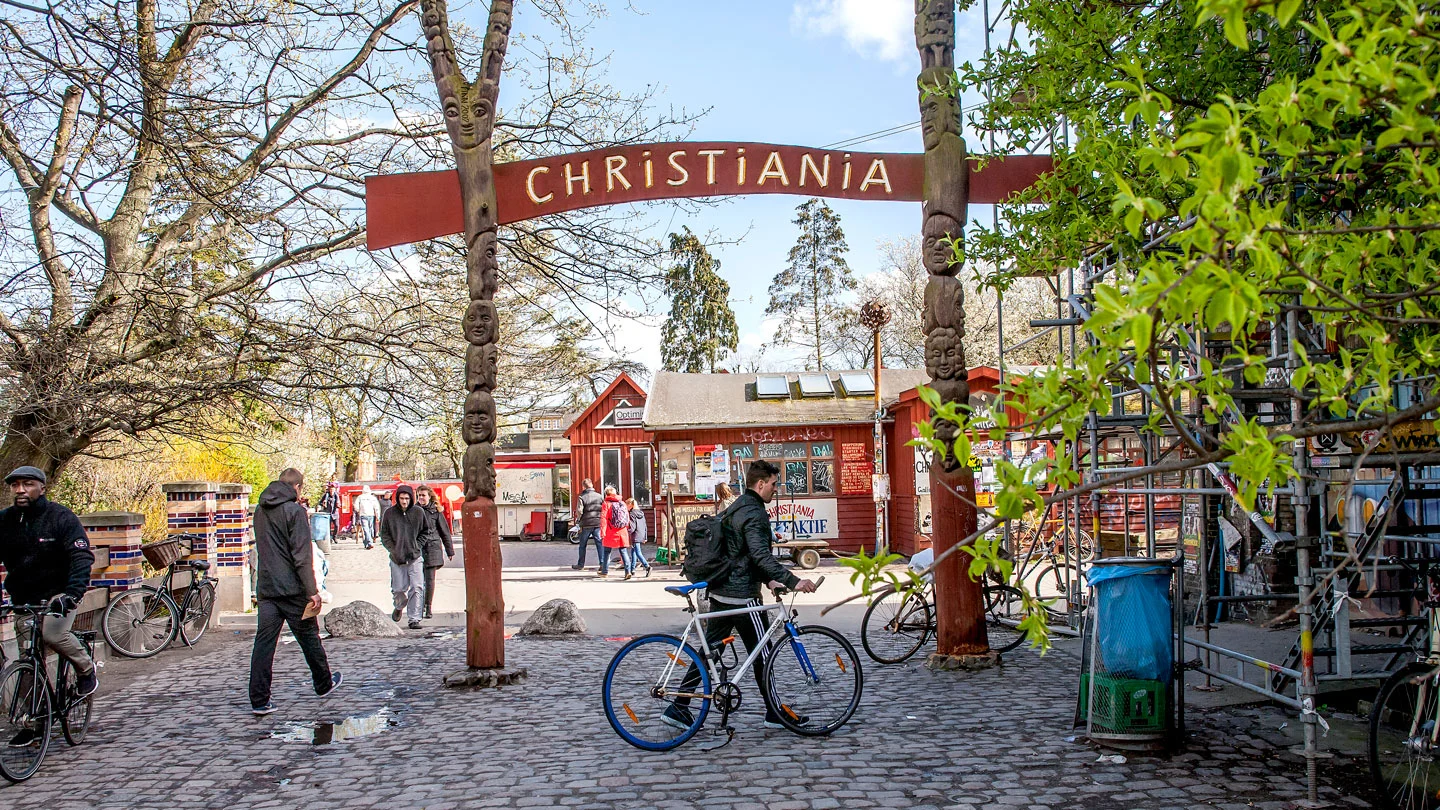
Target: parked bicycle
899, 622
812, 685
1405, 720
30, 704
143, 621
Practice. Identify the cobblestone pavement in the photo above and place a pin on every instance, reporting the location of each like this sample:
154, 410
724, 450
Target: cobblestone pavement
184, 737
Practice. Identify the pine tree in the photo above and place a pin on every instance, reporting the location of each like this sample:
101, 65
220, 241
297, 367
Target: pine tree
701, 327
806, 294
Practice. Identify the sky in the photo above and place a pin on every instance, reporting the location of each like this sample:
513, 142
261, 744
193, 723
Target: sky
803, 72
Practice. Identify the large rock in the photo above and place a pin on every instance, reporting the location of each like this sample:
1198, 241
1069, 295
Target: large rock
558, 617
361, 620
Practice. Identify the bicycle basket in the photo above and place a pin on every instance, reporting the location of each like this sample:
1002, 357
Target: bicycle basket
162, 553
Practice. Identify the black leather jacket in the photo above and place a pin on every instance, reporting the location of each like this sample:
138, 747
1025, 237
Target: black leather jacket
748, 535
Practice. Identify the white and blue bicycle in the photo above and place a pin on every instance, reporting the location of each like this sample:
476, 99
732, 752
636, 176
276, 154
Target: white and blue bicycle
813, 678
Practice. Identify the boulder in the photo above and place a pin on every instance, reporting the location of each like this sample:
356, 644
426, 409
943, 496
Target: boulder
361, 620
558, 617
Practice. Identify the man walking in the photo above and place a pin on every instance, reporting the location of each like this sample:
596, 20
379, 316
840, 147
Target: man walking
285, 588
47, 560
400, 531
366, 509
748, 535
592, 504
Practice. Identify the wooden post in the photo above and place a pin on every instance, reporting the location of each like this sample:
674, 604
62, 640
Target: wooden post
470, 120
961, 639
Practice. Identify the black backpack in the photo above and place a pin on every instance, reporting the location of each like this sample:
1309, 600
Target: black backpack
707, 554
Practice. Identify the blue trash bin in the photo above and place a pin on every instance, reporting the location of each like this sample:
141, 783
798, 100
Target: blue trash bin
1124, 693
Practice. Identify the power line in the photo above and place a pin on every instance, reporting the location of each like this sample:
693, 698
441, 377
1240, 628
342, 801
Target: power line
872, 136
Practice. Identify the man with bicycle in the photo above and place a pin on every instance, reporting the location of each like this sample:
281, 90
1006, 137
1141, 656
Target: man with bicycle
748, 536
47, 559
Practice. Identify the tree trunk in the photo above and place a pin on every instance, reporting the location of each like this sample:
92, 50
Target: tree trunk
26, 445
352, 468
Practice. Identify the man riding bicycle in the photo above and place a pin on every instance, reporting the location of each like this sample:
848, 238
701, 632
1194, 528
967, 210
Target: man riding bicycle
748, 534
47, 560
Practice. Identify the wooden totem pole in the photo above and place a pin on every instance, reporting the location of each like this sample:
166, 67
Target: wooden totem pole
470, 119
961, 639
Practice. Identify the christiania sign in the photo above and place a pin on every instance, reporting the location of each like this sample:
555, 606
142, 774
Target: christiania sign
404, 208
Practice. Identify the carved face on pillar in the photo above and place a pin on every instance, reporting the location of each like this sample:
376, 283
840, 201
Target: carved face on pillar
483, 266
479, 422
481, 364
939, 114
935, 32
432, 20
944, 356
468, 114
936, 249
944, 304
479, 471
946, 431
481, 323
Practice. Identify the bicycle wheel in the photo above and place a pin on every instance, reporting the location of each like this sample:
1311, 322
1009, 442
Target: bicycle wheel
195, 614
75, 713
1403, 760
1004, 608
640, 687
813, 681
1087, 546
141, 622
1051, 585
896, 626
24, 720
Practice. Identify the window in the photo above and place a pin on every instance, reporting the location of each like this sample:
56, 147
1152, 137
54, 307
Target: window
816, 385
772, 386
610, 468
857, 383
806, 468
640, 475
797, 479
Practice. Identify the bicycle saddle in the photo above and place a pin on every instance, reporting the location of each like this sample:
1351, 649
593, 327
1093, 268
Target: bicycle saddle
681, 590
199, 565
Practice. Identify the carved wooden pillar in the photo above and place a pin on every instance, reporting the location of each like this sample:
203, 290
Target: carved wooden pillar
470, 119
958, 599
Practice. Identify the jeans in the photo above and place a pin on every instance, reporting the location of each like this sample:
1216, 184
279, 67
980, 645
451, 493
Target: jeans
273, 614
55, 633
407, 585
367, 530
586, 536
634, 557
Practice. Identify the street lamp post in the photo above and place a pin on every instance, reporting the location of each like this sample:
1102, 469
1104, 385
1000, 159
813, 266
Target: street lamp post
873, 316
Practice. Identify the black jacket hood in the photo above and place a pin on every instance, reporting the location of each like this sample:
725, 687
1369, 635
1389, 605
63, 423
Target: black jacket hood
276, 493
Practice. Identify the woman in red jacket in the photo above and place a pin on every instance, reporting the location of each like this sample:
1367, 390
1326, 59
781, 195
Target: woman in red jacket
614, 528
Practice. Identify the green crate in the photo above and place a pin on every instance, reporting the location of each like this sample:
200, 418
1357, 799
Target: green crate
662, 555
1125, 704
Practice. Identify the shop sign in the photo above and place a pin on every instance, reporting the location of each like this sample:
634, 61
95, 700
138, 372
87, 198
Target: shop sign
809, 519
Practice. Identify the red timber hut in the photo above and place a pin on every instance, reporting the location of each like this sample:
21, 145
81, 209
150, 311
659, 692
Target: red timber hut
609, 445
816, 426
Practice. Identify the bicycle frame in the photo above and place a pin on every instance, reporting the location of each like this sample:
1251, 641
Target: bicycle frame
784, 624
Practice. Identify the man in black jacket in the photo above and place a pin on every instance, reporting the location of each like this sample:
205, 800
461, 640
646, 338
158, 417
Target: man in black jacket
592, 504
47, 560
401, 528
285, 588
748, 535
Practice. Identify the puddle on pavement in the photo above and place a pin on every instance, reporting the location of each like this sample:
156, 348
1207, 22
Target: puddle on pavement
324, 733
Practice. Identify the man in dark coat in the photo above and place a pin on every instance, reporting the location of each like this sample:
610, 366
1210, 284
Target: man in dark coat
592, 504
400, 529
286, 586
435, 540
47, 560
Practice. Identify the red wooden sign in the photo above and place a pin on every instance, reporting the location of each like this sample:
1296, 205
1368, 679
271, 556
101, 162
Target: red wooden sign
855, 469
404, 208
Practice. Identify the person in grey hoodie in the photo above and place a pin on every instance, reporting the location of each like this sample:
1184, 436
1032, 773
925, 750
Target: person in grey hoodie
400, 531
285, 587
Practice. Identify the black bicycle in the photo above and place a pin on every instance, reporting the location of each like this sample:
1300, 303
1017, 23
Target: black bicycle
30, 704
143, 621
899, 622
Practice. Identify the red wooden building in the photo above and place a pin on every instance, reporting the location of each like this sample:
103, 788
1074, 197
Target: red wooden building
609, 445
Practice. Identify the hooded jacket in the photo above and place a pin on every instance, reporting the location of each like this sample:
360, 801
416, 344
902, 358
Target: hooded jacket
614, 536
282, 543
45, 552
400, 529
435, 538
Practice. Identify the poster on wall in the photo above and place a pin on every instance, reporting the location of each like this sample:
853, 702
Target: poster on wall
855, 469
809, 519
518, 486
719, 462
677, 461
922, 457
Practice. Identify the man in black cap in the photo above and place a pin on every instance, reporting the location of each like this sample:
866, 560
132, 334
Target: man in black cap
47, 560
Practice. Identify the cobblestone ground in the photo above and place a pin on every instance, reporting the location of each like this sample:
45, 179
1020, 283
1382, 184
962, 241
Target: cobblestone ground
184, 737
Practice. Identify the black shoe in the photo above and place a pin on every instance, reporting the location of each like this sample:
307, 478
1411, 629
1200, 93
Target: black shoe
771, 721
86, 684
414, 625
395, 614
647, 572
677, 716
577, 568
335, 680
26, 738
260, 711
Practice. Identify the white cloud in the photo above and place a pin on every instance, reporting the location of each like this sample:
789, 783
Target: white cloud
880, 29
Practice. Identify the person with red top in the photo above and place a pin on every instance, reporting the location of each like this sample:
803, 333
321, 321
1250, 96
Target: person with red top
614, 527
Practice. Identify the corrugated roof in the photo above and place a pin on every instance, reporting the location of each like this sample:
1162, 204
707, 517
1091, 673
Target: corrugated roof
689, 400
